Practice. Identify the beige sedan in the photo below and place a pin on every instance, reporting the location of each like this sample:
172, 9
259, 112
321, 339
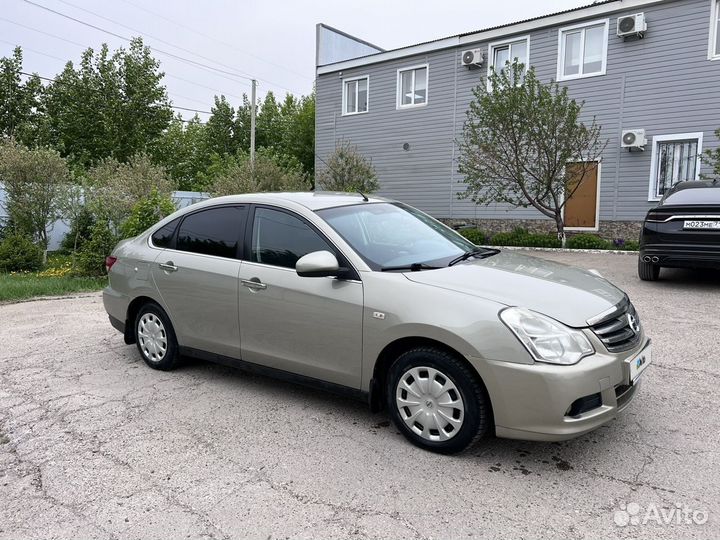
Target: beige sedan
373, 298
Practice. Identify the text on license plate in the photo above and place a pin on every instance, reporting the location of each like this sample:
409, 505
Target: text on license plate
701, 224
639, 363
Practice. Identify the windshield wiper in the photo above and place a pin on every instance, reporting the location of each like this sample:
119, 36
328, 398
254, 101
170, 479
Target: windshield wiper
478, 252
414, 267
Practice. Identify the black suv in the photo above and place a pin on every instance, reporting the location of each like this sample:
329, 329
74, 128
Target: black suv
682, 231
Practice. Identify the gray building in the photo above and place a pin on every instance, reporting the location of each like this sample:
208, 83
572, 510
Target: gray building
657, 86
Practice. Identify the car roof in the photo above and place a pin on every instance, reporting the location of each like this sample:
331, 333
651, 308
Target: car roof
313, 200
695, 184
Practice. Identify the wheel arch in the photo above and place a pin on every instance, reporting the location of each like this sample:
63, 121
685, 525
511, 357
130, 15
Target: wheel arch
132, 311
394, 349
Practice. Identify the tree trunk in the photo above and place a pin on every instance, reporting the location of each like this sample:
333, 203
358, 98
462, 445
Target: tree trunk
560, 229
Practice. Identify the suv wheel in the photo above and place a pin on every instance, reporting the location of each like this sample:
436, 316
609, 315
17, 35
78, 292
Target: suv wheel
648, 271
155, 337
436, 401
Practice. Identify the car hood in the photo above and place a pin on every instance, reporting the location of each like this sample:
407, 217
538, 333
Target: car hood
565, 293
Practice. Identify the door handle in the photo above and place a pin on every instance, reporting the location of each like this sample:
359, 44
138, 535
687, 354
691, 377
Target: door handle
169, 266
253, 283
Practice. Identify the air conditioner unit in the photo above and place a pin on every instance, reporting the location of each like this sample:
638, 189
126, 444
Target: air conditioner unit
631, 25
472, 57
633, 138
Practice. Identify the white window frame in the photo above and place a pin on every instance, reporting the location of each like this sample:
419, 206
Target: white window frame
561, 50
652, 195
398, 97
714, 54
497, 45
357, 103
596, 228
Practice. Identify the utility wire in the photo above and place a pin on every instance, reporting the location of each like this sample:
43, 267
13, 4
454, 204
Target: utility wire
219, 72
48, 79
55, 36
212, 38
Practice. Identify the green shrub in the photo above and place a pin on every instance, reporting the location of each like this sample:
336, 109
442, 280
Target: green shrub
588, 241
90, 260
522, 238
631, 245
146, 213
79, 233
474, 235
19, 253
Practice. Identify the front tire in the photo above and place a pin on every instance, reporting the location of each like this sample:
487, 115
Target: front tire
155, 337
436, 401
648, 271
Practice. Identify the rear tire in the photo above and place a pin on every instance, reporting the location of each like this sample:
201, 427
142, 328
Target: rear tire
648, 271
155, 337
436, 401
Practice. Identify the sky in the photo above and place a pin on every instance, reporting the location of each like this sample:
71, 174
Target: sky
271, 41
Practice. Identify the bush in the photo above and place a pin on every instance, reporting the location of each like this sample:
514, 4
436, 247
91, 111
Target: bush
19, 253
522, 238
146, 213
90, 260
79, 233
631, 245
474, 235
588, 241
269, 173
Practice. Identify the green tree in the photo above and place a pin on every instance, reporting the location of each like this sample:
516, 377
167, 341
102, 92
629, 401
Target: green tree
113, 188
109, 106
347, 170
34, 182
219, 131
518, 139
269, 173
21, 103
712, 158
269, 124
182, 151
146, 213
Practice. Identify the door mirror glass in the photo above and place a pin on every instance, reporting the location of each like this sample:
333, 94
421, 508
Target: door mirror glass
317, 264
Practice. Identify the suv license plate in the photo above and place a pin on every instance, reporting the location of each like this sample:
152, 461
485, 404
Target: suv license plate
704, 224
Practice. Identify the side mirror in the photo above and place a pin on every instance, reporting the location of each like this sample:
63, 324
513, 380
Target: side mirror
317, 264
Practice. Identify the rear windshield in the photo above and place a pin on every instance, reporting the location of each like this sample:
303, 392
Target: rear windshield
704, 195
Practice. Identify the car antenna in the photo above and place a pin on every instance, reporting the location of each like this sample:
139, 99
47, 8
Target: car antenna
363, 196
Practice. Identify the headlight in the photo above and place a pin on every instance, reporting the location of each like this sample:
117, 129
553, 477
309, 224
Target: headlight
546, 339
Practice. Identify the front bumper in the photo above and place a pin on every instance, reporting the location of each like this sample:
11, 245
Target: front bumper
540, 401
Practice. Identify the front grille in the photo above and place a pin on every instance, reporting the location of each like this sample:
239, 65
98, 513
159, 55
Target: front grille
616, 333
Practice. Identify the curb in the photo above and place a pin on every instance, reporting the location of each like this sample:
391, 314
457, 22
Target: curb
567, 250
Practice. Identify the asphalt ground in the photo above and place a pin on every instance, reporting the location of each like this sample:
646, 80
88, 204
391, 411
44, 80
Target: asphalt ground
93, 444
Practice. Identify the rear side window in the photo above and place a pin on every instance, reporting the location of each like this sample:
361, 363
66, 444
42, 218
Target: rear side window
164, 235
216, 231
280, 239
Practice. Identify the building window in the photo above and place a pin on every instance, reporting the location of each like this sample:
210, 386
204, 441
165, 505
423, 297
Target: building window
583, 50
355, 95
715, 30
508, 51
412, 86
675, 158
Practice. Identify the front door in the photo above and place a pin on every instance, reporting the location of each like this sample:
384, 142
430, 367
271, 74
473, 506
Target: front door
197, 278
581, 207
309, 326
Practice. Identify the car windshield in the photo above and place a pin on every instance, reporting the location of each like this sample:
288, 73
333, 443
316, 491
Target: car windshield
392, 234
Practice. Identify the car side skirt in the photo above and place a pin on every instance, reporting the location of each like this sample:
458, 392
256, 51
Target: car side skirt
302, 380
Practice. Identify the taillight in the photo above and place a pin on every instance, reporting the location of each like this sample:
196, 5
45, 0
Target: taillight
109, 261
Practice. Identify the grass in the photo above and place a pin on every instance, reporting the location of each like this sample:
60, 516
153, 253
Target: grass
55, 280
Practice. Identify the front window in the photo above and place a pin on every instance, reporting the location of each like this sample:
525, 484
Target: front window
507, 52
280, 239
676, 158
412, 86
355, 95
583, 51
392, 234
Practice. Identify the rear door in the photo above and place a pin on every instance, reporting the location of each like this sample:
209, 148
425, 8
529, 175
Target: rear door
309, 326
197, 278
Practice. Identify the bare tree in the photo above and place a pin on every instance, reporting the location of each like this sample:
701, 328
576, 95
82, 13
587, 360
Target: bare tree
523, 144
